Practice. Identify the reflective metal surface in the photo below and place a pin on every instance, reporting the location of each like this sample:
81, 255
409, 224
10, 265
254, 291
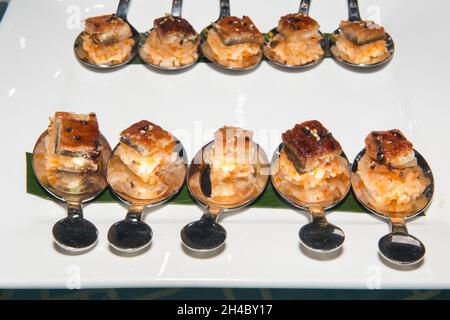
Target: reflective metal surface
319, 235
122, 12
73, 233
354, 15
132, 234
207, 52
207, 234
398, 247
177, 6
304, 9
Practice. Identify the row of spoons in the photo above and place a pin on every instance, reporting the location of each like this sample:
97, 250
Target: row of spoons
139, 41
76, 234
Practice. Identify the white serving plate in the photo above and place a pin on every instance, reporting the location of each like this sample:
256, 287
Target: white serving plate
40, 75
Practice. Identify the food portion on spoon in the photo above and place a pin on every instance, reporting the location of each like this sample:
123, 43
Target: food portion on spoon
361, 42
227, 174
234, 160
234, 43
394, 181
312, 169
146, 165
106, 41
297, 41
172, 43
388, 178
147, 168
69, 161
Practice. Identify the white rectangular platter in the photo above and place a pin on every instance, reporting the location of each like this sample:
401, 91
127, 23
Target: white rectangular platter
39, 75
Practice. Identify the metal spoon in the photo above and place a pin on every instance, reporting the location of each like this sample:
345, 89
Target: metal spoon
177, 6
207, 234
206, 50
304, 9
354, 15
73, 233
319, 235
122, 12
132, 234
398, 247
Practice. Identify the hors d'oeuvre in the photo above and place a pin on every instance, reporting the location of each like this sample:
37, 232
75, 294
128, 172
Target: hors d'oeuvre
361, 42
73, 143
234, 42
107, 40
311, 167
388, 176
297, 41
171, 43
232, 159
145, 164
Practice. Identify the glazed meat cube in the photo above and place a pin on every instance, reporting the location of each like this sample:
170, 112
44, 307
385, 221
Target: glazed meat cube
172, 29
298, 27
390, 148
233, 30
107, 29
309, 143
362, 32
144, 147
73, 144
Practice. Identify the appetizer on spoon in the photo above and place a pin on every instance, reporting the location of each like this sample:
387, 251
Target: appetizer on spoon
108, 41
69, 161
311, 172
232, 43
172, 44
360, 43
227, 174
297, 41
146, 169
393, 181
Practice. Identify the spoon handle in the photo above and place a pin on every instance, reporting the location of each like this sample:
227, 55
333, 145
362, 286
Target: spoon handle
224, 9
317, 212
208, 218
74, 211
177, 6
353, 10
134, 214
398, 225
318, 216
304, 7
122, 9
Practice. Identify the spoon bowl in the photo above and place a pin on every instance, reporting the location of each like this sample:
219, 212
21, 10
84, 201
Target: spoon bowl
304, 9
207, 234
319, 235
354, 15
122, 11
73, 233
132, 234
204, 235
177, 6
389, 45
398, 247
208, 53
401, 249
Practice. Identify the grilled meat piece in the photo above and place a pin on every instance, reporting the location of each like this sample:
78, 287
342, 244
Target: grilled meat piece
172, 29
298, 27
73, 143
107, 29
362, 32
390, 148
233, 30
309, 143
